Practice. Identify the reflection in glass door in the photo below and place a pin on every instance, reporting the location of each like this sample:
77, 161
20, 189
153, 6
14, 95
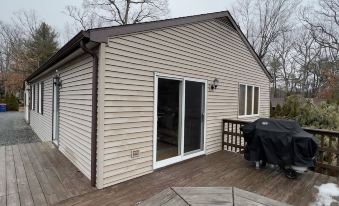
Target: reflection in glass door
168, 124
194, 116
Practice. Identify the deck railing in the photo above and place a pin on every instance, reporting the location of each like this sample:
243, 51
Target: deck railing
328, 145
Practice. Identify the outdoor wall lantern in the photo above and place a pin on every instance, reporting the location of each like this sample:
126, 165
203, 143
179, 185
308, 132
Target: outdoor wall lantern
214, 84
56, 79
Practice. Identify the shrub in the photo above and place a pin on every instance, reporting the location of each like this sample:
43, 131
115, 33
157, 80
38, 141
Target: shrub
12, 103
277, 111
325, 116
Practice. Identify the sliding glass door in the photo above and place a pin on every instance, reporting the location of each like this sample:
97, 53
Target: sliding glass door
168, 133
180, 119
194, 116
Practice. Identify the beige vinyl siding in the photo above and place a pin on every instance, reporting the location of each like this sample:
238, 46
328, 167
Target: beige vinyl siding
42, 123
203, 50
75, 111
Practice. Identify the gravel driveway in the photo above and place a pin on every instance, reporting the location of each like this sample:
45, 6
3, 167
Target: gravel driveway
14, 130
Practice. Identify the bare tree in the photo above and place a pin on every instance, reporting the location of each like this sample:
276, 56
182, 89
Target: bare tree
124, 12
11, 44
287, 70
97, 13
263, 21
84, 18
302, 54
307, 54
27, 20
323, 23
16, 63
274, 66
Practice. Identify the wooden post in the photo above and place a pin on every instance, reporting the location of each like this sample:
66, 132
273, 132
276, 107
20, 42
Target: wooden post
223, 135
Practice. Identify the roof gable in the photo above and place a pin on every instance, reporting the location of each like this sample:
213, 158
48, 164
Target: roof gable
101, 35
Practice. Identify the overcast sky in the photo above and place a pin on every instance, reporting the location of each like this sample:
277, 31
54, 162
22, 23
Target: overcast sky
51, 11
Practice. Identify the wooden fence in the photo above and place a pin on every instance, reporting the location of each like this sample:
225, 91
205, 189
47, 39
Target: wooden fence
328, 145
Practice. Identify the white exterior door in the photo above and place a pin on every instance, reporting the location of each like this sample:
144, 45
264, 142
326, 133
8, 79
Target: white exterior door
27, 101
55, 113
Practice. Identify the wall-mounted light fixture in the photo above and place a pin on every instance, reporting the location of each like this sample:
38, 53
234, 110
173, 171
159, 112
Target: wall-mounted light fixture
214, 84
56, 79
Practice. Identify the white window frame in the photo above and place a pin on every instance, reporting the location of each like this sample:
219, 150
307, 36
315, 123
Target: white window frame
252, 114
40, 98
182, 156
33, 96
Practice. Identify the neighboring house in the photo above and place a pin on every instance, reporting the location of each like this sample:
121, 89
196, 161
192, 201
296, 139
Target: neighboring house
122, 101
277, 100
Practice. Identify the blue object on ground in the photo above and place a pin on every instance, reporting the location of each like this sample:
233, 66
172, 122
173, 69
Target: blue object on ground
3, 107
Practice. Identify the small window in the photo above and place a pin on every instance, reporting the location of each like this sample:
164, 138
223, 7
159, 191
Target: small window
242, 93
256, 100
33, 97
248, 100
40, 97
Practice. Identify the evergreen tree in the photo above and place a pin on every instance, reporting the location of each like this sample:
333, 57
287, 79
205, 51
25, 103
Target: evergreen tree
42, 45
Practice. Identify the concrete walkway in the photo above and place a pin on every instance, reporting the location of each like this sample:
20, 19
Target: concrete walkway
14, 130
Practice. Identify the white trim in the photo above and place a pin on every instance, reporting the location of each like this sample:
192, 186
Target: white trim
155, 119
181, 156
55, 113
258, 101
245, 111
182, 117
245, 100
166, 162
205, 116
27, 103
101, 117
40, 97
253, 88
196, 154
32, 96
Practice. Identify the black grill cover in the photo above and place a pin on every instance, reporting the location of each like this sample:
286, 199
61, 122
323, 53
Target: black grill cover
280, 142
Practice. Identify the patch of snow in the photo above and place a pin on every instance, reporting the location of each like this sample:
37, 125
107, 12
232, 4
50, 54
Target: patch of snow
325, 195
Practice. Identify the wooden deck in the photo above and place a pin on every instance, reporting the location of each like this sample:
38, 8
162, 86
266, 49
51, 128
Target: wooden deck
38, 174
209, 196
221, 169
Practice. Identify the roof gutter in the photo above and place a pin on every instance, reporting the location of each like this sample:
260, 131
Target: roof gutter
94, 111
64, 51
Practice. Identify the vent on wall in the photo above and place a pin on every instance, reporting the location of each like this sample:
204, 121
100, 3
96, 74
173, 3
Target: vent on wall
135, 153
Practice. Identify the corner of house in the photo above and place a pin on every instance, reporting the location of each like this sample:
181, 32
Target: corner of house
100, 120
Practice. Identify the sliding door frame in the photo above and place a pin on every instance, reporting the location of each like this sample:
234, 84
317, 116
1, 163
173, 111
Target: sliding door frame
181, 156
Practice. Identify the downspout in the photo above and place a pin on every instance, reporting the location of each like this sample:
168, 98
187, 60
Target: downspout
94, 112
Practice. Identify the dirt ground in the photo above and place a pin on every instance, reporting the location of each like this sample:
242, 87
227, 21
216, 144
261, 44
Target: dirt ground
14, 130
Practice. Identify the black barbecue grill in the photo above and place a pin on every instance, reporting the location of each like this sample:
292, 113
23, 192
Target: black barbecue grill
279, 142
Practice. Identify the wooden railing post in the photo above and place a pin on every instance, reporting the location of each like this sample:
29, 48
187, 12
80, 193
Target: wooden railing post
223, 135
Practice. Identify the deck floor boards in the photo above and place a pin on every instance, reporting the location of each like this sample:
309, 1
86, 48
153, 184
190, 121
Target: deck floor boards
38, 174
221, 169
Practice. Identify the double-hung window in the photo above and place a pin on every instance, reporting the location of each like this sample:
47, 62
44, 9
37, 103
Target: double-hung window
248, 100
